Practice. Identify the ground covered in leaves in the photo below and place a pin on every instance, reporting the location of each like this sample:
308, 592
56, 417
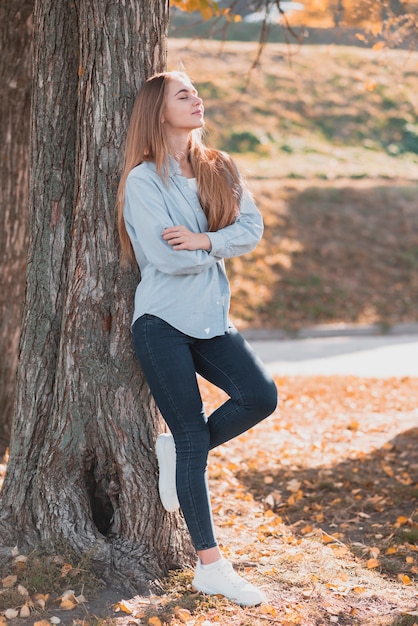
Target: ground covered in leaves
318, 506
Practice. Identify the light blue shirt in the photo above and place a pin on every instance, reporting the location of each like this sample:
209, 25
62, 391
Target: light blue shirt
188, 289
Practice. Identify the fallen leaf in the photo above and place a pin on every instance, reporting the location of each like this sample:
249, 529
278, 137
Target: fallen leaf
24, 611
9, 581
293, 485
81, 599
21, 558
267, 609
65, 569
68, 601
372, 563
22, 590
154, 621
11, 613
182, 614
40, 600
67, 604
124, 606
404, 579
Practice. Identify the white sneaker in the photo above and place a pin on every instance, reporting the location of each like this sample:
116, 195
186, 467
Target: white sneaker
166, 455
221, 578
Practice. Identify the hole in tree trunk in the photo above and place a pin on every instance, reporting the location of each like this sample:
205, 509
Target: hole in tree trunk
100, 502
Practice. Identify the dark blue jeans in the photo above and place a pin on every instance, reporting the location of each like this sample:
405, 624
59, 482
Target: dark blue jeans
170, 360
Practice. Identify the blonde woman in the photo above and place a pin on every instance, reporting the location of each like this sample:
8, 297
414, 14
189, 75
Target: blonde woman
183, 209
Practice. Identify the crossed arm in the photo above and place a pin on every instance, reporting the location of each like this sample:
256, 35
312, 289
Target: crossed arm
181, 238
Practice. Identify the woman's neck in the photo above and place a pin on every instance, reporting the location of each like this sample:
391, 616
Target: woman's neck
181, 155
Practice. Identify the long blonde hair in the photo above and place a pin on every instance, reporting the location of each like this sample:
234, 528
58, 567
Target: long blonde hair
218, 182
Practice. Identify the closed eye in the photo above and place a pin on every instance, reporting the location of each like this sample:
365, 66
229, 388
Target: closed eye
187, 92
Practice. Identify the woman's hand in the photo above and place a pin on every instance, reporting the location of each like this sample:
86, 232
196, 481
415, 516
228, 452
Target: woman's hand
181, 238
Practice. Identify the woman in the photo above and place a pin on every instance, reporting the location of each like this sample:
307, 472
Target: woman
182, 209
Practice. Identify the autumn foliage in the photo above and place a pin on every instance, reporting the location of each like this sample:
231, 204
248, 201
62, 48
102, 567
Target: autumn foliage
318, 505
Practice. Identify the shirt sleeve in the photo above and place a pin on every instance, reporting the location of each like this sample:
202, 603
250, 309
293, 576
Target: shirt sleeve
240, 237
146, 215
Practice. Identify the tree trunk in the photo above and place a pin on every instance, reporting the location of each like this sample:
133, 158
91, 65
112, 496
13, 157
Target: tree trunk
82, 470
15, 70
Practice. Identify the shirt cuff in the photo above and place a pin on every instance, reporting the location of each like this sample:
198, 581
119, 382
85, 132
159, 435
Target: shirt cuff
217, 243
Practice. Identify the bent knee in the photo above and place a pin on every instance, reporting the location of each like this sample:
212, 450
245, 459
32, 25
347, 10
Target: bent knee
271, 399
266, 399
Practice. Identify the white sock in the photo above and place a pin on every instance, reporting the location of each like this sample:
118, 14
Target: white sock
211, 565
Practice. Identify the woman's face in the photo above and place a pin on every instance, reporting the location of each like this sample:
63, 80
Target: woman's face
183, 110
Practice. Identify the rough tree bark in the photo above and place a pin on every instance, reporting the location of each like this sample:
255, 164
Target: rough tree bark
15, 70
82, 471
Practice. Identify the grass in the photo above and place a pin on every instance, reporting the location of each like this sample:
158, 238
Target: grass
331, 253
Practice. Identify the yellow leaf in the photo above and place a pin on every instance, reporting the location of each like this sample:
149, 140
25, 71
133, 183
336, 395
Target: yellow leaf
371, 85
68, 604
154, 621
402, 520
2, 621
404, 579
379, 45
40, 600
295, 497
207, 12
9, 581
267, 609
391, 550
361, 37
359, 589
372, 563
123, 606
182, 614
42, 622
65, 569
